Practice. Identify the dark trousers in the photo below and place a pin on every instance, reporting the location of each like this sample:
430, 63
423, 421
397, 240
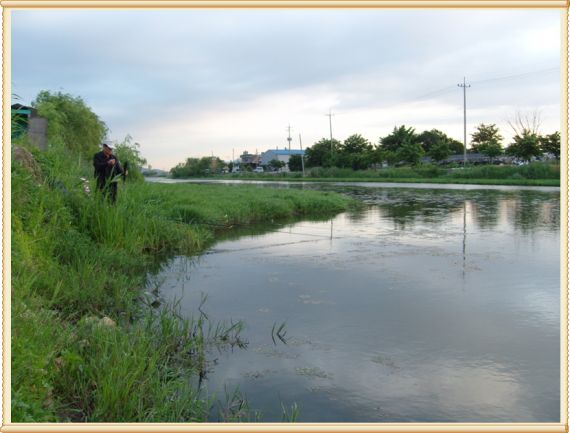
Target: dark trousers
109, 189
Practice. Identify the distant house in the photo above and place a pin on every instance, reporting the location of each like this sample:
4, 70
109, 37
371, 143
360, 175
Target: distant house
25, 121
280, 155
247, 159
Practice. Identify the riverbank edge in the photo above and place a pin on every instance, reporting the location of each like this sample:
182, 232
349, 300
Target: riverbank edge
440, 181
84, 345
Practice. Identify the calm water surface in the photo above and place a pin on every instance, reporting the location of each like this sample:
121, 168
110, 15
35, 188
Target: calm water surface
428, 305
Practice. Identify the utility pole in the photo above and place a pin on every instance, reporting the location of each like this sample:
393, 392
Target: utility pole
289, 137
330, 115
464, 121
302, 158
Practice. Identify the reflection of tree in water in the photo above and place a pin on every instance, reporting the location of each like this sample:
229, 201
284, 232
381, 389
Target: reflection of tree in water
527, 211
485, 209
532, 211
408, 207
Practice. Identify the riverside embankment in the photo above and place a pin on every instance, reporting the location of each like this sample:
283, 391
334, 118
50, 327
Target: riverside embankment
85, 344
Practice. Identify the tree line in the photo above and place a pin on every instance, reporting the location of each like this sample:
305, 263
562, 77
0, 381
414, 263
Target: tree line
403, 146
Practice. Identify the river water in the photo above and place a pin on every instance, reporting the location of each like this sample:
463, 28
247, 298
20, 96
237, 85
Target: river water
427, 305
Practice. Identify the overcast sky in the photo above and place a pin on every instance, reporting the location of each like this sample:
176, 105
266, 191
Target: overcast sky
189, 83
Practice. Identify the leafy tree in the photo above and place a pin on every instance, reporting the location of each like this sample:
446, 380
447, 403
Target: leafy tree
429, 139
319, 154
276, 165
551, 144
398, 138
129, 152
439, 151
355, 152
410, 153
194, 167
487, 140
71, 122
295, 163
525, 146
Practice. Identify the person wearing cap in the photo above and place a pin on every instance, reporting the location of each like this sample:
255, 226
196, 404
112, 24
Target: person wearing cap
107, 166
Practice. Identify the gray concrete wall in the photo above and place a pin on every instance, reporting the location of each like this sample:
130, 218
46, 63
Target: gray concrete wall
37, 131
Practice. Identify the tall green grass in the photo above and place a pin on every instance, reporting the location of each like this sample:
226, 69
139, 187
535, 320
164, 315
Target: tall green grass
85, 346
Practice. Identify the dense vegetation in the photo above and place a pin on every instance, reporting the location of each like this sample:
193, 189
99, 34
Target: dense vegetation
536, 173
404, 147
87, 344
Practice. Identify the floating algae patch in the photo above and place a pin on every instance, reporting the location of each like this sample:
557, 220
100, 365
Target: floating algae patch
258, 374
274, 353
313, 372
385, 361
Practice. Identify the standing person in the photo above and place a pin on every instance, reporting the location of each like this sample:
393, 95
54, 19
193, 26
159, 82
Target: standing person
107, 166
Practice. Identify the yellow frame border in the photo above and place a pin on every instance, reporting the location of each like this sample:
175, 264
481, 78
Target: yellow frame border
8, 427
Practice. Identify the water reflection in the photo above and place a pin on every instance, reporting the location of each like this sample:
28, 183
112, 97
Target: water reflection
425, 306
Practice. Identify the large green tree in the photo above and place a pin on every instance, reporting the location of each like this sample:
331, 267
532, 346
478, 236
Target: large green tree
320, 154
71, 122
355, 152
525, 145
402, 145
487, 141
551, 144
398, 138
435, 137
295, 163
410, 153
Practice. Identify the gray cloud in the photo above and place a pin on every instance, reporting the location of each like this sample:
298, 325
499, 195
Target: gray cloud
133, 66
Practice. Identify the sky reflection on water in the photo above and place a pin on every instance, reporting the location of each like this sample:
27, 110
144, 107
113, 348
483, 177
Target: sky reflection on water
428, 305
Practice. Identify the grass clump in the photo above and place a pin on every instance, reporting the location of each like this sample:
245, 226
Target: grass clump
84, 345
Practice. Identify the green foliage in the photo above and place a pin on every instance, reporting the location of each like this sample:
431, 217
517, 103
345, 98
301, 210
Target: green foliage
77, 259
128, 153
355, 152
439, 151
525, 146
276, 165
399, 137
295, 163
487, 140
436, 138
70, 122
194, 167
320, 154
551, 144
410, 153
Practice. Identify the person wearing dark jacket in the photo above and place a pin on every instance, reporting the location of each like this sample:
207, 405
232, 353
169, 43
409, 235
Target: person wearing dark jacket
107, 166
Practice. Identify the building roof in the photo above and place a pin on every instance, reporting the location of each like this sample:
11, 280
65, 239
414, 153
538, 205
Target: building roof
286, 151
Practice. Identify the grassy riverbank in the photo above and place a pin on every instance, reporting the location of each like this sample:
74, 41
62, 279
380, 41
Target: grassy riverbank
535, 174
85, 344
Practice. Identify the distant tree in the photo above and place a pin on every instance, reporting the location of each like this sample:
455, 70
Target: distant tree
355, 152
434, 137
439, 151
197, 167
487, 140
295, 163
319, 154
410, 153
399, 137
130, 157
276, 165
525, 146
71, 122
551, 144
231, 166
